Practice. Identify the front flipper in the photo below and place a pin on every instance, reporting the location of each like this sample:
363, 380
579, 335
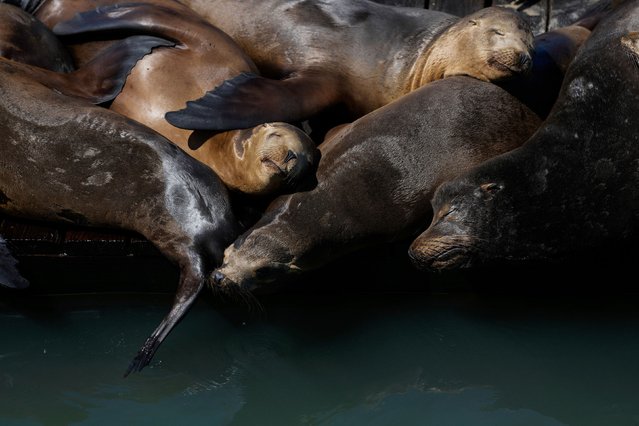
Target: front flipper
105, 75
102, 79
249, 100
9, 275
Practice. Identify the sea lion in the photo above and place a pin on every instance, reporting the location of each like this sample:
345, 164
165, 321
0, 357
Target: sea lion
359, 53
64, 159
25, 39
258, 161
573, 187
376, 177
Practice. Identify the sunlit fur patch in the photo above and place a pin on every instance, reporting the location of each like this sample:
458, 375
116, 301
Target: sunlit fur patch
630, 42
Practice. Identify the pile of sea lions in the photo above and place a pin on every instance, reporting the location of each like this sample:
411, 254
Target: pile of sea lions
180, 120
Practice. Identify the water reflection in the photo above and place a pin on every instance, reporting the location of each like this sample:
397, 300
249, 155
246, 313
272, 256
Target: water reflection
363, 359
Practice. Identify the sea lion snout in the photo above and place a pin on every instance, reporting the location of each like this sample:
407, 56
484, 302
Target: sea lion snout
218, 277
446, 244
439, 253
511, 61
221, 281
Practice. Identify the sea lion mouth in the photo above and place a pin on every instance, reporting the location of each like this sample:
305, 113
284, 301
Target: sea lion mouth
224, 286
441, 253
286, 167
515, 63
221, 283
272, 165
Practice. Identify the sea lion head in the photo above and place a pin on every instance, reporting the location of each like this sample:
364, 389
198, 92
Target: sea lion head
473, 221
491, 44
258, 260
451, 241
275, 156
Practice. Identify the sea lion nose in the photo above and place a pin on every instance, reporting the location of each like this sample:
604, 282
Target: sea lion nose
218, 277
290, 155
525, 61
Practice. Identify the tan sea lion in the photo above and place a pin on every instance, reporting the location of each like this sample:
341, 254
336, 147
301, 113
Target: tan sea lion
258, 161
24, 39
360, 53
572, 190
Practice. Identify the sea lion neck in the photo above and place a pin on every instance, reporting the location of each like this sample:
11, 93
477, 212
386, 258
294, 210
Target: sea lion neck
418, 61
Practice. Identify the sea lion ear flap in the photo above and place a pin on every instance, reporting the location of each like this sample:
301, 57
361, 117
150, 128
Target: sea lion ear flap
488, 190
9, 275
249, 100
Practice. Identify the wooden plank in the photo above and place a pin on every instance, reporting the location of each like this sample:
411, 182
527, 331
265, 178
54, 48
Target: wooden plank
456, 7
565, 12
95, 242
535, 10
405, 3
28, 237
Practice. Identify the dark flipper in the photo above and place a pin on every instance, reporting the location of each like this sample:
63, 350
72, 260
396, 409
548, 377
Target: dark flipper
186, 295
102, 79
129, 18
28, 6
249, 100
9, 275
106, 74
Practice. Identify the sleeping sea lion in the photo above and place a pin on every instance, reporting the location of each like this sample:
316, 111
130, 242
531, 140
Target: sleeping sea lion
258, 161
376, 177
572, 188
360, 53
64, 159
25, 39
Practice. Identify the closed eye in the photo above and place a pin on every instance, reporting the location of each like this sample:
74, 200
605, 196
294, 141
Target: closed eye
450, 211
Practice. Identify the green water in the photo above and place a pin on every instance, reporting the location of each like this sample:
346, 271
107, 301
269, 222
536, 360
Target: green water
361, 359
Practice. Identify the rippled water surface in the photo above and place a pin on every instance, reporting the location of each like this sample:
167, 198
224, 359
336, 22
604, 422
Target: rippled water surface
371, 359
